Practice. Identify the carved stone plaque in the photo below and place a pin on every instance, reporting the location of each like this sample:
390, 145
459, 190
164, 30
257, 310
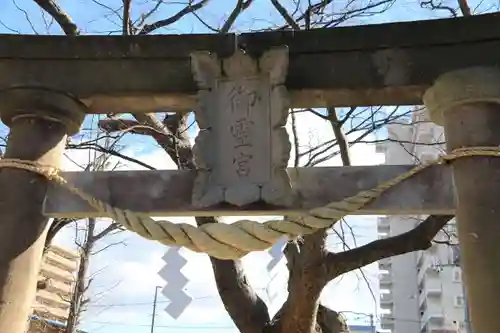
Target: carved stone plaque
242, 149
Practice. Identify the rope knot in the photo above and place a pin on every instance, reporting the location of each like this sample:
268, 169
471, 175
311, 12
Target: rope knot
52, 173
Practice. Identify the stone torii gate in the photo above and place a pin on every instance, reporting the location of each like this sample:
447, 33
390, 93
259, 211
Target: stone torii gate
49, 83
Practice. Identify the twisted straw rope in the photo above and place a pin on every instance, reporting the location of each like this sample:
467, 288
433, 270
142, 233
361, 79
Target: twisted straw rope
233, 241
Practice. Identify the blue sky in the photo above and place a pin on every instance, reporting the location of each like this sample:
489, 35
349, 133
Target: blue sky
125, 275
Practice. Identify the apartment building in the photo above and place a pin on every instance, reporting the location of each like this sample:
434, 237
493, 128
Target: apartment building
51, 304
420, 292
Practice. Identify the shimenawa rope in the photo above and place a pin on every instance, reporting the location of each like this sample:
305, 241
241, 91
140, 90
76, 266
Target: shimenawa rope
233, 241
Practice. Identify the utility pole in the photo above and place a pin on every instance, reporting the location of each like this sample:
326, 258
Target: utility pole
372, 324
154, 309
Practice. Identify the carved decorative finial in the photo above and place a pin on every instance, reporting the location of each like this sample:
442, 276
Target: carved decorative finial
242, 149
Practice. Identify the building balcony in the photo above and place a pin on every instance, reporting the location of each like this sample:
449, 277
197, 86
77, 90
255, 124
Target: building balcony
433, 291
57, 287
61, 262
386, 301
428, 267
50, 313
384, 264
60, 251
56, 273
433, 285
52, 300
386, 321
432, 318
429, 295
386, 298
383, 225
381, 147
387, 306
385, 279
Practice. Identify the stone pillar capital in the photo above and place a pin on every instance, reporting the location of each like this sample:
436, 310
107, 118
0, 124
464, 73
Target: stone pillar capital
42, 103
463, 86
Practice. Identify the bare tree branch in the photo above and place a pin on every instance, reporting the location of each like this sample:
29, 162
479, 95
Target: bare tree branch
464, 8
55, 227
143, 17
438, 5
247, 310
419, 238
240, 7
340, 136
26, 16
174, 18
102, 149
126, 23
106, 231
307, 273
296, 143
310, 265
63, 19
288, 18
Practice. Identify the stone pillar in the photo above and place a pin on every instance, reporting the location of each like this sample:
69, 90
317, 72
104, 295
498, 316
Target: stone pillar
467, 103
39, 121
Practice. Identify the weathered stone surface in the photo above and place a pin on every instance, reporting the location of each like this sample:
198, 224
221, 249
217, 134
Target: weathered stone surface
242, 149
382, 64
168, 192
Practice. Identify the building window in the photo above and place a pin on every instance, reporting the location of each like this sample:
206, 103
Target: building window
457, 275
455, 255
459, 301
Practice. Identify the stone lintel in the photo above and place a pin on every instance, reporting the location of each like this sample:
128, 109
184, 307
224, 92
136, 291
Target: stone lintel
168, 192
382, 64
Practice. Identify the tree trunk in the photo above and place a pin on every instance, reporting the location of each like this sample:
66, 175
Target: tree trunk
81, 285
330, 321
327, 321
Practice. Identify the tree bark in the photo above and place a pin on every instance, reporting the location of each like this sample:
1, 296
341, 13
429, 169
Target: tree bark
419, 238
245, 307
81, 285
23, 227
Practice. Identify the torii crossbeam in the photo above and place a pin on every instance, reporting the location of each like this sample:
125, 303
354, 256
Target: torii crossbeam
168, 192
385, 64
49, 83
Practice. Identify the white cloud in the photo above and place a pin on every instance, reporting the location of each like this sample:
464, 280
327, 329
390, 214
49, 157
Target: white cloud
133, 269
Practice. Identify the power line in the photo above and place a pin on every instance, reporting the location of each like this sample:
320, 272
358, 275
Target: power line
151, 303
111, 323
361, 315
231, 327
144, 303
